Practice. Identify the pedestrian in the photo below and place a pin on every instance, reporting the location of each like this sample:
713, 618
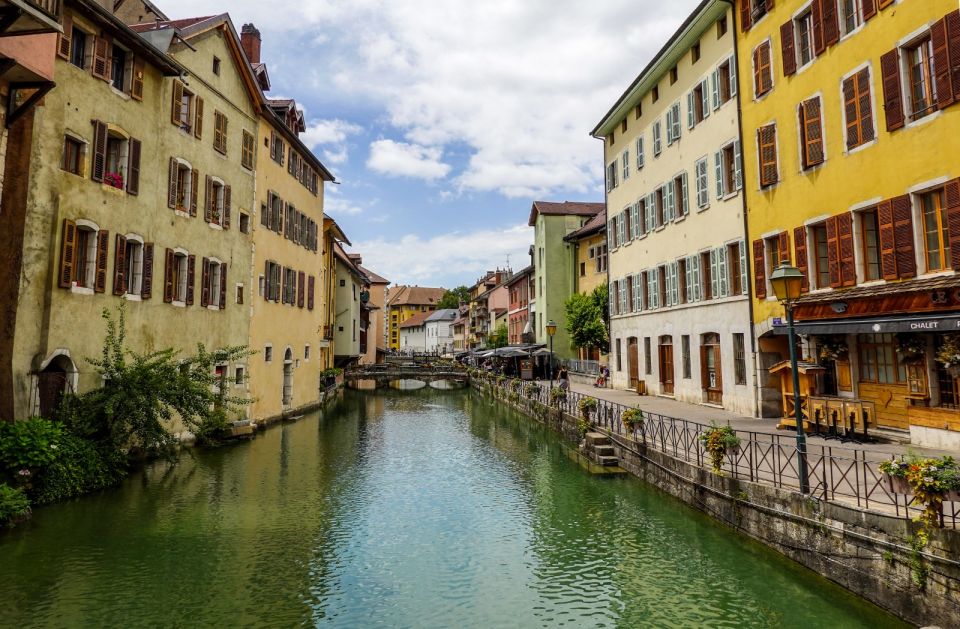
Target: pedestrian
563, 379
602, 377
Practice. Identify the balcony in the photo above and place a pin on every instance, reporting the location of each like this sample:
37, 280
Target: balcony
29, 17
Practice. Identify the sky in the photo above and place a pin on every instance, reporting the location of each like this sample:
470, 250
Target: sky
444, 120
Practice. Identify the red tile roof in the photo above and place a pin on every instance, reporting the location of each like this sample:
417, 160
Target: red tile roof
594, 225
416, 320
414, 296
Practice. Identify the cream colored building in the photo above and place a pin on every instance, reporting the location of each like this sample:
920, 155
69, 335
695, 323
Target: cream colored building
680, 319
376, 337
348, 308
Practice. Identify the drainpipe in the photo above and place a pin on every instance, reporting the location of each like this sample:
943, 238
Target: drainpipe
746, 227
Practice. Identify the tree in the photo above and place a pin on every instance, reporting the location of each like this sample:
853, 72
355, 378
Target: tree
499, 337
585, 323
453, 297
601, 297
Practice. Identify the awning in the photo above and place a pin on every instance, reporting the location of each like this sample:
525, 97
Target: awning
875, 325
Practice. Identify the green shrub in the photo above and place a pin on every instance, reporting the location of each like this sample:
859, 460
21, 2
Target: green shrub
80, 467
14, 505
28, 445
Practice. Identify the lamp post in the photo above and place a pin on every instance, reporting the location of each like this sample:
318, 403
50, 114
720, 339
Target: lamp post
787, 282
551, 330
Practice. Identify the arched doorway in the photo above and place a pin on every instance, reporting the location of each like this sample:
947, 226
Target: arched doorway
287, 377
711, 371
666, 365
52, 382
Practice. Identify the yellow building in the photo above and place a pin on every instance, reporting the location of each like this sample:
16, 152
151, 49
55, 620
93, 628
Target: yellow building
590, 266
286, 324
844, 106
405, 301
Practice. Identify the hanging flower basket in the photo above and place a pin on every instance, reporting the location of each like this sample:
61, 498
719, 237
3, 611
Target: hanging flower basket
587, 405
833, 348
911, 348
632, 419
720, 442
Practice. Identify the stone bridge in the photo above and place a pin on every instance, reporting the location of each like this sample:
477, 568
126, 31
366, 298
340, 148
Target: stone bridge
405, 377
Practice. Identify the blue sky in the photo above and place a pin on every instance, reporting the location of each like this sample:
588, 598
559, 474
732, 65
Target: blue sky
445, 120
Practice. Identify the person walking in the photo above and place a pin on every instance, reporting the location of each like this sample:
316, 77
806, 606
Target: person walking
563, 379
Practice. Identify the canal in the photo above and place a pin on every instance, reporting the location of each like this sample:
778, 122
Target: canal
414, 509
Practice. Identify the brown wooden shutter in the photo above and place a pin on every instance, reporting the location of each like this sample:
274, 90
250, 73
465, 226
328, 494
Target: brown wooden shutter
819, 43
172, 185
283, 285
168, 276
767, 142
952, 208
745, 15
99, 150
136, 82
789, 49
176, 102
783, 246
101, 58
133, 167
226, 207
194, 191
759, 270
310, 290
64, 39
800, 252
208, 200
952, 21
103, 253
301, 286
831, 27
869, 9
191, 273
68, 253
198, 117
205, 282
223, 287
264, 215
847, 263
267, 286
892, 96
888, 244
119, 265
811, 129
903, 235
941, 64
850, 112
273, 145
833, 253
866, 107
146, 283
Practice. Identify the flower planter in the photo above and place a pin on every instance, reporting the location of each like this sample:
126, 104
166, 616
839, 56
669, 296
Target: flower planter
898, 485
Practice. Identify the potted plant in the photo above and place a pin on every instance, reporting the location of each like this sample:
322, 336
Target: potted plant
587, 405
720, 442
557, 395
948, 354
910, 347
931, 481
531, 390
896, 474
632, 419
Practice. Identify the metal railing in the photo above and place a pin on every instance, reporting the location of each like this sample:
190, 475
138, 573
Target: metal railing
848, 476
588, 367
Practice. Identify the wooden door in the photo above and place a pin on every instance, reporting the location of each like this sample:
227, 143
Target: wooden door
52, 385
711, 369
633, 361
666, 365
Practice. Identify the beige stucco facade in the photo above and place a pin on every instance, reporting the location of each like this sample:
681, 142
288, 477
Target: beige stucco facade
680, 318
349, 284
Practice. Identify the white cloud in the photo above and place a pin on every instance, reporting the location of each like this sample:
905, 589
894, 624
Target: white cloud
332, 136
407, 160
450, 258
336, 205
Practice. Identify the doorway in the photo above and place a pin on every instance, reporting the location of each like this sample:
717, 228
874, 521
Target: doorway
711, 375
633, 361
52, 383
287, 377
666, 365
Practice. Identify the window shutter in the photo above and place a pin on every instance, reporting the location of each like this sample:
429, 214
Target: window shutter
767, 139
833, 253
816, 11
133, 167
301, 284
737, 166
223, 286
208, 199
194, 191
671, 201
745, 14
205, 282
146, 283
310, 290
788, 47
952, 21
691, 118
68, 253
226, 207
952, 208
99, 150
65, 38
688, 279
639, 152
705, 98
831, 27
176, 102
744, 268
172, 185
635, 220
714, 274
888, 243
168, 276
198, 117
903, 235
697, 288
757, 80
883, 4
670, 126
264, 217
718, 170
136, 81
892, 97
715, 88
941, 64
731, 63
103, 251
119, 263
191, 272
800, 253
685, 206
812, 132
850, 112
848, 267
722, 271
869, 9
101, 58
759, 270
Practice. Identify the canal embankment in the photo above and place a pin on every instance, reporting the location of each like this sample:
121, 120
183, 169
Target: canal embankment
849, 528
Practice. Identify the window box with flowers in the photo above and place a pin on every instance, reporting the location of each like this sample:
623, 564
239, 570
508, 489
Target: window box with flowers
931, 481
113, 180
720, 442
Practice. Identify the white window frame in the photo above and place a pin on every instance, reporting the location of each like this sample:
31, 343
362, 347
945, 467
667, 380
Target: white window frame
181, 256
657, 138
702, 183
134, 272
625, 164
640, 152
90, 272
213, 283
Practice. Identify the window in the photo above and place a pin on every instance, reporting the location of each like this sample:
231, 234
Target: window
674, 75
601, 259
647, 359
216, 65
878, 359
78, 47
179, 277
673, 123
870, 230
246, 155
682, 275
661, 208
737, 264
850, 15
115, 169
238, 376
707, 269
220, 132
639, 152
679, 199
804, 44
657, 139
728, 173
268, 353
655, 93
638, 111
661, 286
724, 83
625, 163
133, 266
777, 250
811, 133
84, 268
698, 108
936, 238
857, 109
623, 126
762, 70
612, 174
739, 360
919, 60
240, 293
183, 108
583, 269
244, 223
721, 27
821, 255
73, 152
767, 153
183, 186
695, 53
118, 68
216, 193
685, 356
306, 352
700, 175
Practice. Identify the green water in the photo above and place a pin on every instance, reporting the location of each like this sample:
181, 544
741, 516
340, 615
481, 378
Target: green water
416, 509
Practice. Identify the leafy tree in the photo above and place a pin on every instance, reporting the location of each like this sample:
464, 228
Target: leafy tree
498, 338
601, 297
585, 323
453, 297
143, 393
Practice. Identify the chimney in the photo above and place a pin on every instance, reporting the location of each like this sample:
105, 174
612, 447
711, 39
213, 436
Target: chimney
250, 40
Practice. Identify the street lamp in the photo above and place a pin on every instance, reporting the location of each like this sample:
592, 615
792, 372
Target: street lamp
787, 282
551, 330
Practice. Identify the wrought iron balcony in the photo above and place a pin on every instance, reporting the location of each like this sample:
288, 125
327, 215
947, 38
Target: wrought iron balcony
29, 17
